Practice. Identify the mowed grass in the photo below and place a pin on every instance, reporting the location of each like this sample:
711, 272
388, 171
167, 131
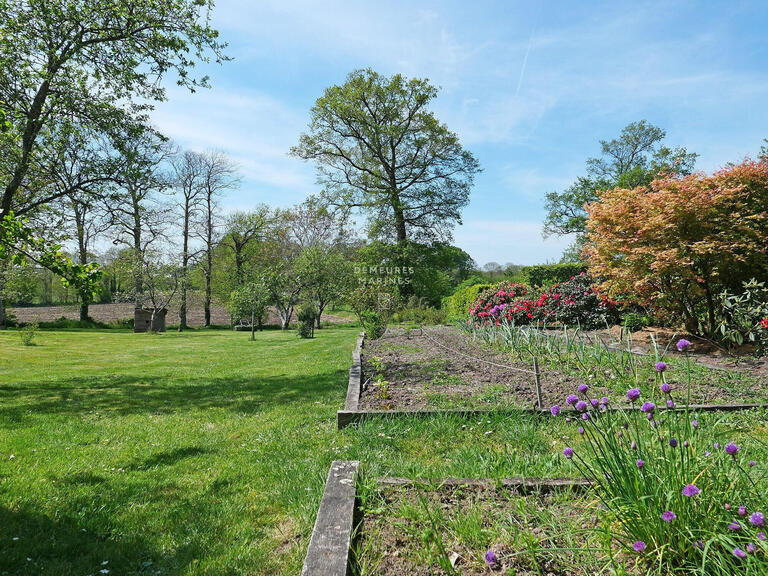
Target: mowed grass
205, 453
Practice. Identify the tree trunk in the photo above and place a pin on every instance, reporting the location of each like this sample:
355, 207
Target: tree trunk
253, 327
184, 266
2, 312
320, 308
208, 294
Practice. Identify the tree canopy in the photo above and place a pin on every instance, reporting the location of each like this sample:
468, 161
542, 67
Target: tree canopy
379, 149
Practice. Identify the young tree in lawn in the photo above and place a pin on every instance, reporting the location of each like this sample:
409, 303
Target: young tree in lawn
249, 301
89, 63
327, 275
188, 181
160, 278
137, 215
633, 159
676, 246
219, 175
379, 149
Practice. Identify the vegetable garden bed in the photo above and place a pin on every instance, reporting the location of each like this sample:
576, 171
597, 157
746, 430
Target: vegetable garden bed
444, 367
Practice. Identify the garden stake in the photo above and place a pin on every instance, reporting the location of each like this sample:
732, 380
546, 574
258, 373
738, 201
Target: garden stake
537, 376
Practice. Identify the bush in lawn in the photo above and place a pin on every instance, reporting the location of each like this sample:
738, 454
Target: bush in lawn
545, 275
681, 505
306, 316
27, 334
492, 303
674, 246
744, 316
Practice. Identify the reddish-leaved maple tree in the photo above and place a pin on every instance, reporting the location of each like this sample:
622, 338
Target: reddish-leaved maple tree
675, 245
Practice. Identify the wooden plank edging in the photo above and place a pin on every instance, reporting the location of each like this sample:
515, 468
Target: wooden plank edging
345, 418
355, 375
328, 552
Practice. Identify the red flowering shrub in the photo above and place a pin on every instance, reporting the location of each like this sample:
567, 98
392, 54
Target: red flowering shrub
492, 304
573, 303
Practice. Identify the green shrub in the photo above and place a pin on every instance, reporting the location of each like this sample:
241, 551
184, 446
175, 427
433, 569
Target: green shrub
634, 321
743, 316
428, 316
307, 315
457, 306
546, 275
374, 323
27, 334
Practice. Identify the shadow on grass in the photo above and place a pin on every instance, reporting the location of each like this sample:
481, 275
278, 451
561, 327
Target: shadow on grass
127, 395
33, 543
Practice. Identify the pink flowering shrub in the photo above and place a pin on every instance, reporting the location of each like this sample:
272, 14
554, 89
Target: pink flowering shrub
573, 303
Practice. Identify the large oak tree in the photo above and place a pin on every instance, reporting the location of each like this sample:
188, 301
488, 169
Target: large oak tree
379, 149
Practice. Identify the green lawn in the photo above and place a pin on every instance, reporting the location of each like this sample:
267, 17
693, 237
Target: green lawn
204, 453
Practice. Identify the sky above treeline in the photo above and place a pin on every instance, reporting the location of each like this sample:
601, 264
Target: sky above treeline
530, 87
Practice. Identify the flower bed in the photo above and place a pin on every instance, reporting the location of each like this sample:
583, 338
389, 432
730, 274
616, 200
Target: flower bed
679, 501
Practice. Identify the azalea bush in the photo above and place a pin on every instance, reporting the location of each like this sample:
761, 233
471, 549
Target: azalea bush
571, 303
678, 503
745, 316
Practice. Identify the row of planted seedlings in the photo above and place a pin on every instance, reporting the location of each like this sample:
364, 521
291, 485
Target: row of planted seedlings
592, 360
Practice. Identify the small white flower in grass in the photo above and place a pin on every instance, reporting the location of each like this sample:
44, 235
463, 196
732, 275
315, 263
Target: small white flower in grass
12, 457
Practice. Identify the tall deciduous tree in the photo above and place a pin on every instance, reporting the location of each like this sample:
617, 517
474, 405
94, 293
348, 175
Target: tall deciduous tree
90, 63
187, 180
378, 148
633, 159
219, 175
242, 229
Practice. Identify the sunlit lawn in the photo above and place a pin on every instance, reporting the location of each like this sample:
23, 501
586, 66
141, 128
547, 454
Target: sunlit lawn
204, 453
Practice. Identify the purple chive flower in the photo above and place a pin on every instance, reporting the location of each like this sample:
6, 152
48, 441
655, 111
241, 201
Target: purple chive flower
685, 444
668, 516
633, 394
581, 430
604, 400
633, 445
585, 416
742, 511
568, 453
734, 526
653, 422
670, 404
639, 546
751, 463
750, 548
731, 449
695, 423
757, 519
673, 442
491, 559
727, 506
640, 463
739, 553
581, 406
690, 490
661, 366
568, 419
555, 410
707, 453
666, 388
571, 399
582, 388
595, 402
683, 345
761, 536
648, 407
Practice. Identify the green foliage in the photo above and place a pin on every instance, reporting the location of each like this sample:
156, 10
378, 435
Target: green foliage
457, 305
427, 316
634, 321
742, 315
307, 316
27, 334
374, 323
546, 275
634, 159
412, 178
248, 303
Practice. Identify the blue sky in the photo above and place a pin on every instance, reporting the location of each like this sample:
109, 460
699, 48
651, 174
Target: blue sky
530, 87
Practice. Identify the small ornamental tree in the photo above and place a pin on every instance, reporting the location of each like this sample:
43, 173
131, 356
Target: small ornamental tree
249, 302
674, 246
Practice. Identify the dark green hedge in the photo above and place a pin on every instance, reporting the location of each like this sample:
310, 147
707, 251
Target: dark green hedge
545, 275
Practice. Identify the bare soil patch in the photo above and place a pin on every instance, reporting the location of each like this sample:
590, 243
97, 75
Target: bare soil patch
445, 368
